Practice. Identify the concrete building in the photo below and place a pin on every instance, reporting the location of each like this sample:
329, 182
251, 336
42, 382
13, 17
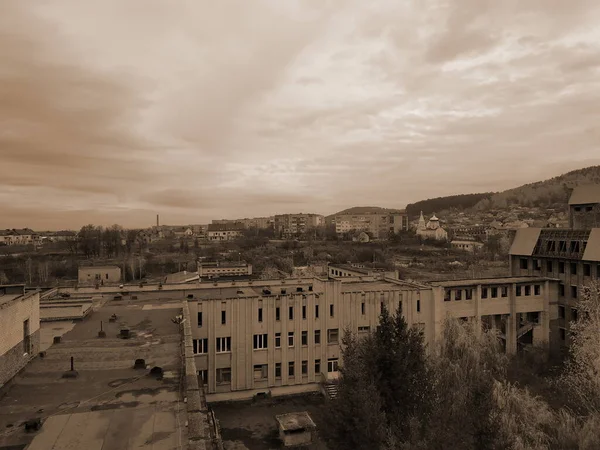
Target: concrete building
432, 229
22, 236
467, 245
570, 255
359, 270
291, 225
223, 269
296, 429
378, 225
225, 232
584, 207
100, 275
256, 222
19, 329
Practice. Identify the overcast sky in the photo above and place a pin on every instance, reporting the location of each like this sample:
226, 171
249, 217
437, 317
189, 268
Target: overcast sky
116, 110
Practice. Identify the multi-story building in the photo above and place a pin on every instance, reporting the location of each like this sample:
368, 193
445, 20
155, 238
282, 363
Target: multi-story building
359, 270
377, 224
468, 245
19, 329
284, 336
256, 222
21, 236
290, 225
225, 232
584, 207
223, 269
100, 275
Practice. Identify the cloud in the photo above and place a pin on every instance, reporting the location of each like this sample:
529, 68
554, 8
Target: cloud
197, 111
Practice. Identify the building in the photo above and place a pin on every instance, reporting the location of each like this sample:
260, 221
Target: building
432, 229
62, 236
584, 207
359, 270
256, 222
284, 336
99, 275
377, 224
223, 269
296, 429
467, 245
225, 232
23, 236
291, 225
569, 255
19, 329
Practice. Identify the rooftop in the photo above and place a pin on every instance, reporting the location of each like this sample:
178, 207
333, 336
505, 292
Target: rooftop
585, 194
489, 281
110, 405
295, 421
98, 267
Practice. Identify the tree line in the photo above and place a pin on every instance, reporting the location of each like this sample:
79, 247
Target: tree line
393, 394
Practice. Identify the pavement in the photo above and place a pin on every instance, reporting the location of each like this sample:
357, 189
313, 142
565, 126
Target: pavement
109, 405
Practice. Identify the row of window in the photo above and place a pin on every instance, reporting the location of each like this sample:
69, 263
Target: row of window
493, 292
561, 291
537, 267
261, 341
261, 371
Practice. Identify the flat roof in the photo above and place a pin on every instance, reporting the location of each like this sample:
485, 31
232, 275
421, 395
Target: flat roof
110, 404
379, 285
489, 281
99, 267
295, 421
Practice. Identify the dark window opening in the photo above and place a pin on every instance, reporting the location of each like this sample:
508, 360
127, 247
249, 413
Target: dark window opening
277, 313
524, 264
484, 292
537, 289
291, 313
223, 317
573, 268
494, 292
418, 305
561, 312
304, 312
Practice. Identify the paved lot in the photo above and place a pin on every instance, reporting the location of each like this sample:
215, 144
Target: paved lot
109, 405
252, 426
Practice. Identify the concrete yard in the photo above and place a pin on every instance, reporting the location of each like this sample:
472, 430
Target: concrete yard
252, 426
110, 405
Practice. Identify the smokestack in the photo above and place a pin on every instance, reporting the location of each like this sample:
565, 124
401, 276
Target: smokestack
157, 222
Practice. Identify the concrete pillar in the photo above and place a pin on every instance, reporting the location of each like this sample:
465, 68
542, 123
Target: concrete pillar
511, 323
477, 301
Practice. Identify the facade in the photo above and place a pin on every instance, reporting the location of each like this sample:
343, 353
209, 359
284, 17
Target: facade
289, 225
584, 207
23, 236
223, 269
256, 222
359, 270
225, 232
284, 335
569, 255
378, 225
100, 275
19, 329
432, 229
470, 246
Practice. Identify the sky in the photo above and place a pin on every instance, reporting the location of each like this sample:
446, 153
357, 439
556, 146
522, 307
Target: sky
115, 111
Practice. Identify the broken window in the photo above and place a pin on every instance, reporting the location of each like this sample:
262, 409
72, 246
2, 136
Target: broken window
224, 375
333, 336
458, 294
561, 289
494, 292
574, 314
527, 291
549, 266
469, 294
573, 291
518, 291
484, 292
537, 289
561, 267
524, 264
504, 291
261, 371
561, 312
587, 270
573, 268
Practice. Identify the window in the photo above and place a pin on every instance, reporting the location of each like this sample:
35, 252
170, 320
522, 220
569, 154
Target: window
332, 365
537, 289
223, 317
573, 291
574, 314
524, 265
317, 366
362, 330
200, 320
316, 311
418, 306
381, 306
561, 289
468, 294
260, 341
261, 371
277, 340
333, 336
447, 295
224, 375
304, 338
504, 291
573, 268
400, 306
458, 294
563, 334
277, 313
518, 291
304, 367
331, 310
260, 315
587, 270
561, 267
362, 308
299, 289
200, 346
549, 266
304, 312
277, 370
317, 336
537, 265
484, 292
223, 344
561, 312
203, 374
291, 368
290, 339
527, 290
291, 313
494, 292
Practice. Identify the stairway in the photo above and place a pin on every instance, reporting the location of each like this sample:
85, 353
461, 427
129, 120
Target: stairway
525, 329
330, 390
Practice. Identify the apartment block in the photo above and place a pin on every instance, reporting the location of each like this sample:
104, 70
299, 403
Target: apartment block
225, 232
222, 269
19, 329
99, 275
255, 222
290, 225
378, 225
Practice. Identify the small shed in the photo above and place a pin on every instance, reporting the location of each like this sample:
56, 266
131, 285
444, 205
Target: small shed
296, 429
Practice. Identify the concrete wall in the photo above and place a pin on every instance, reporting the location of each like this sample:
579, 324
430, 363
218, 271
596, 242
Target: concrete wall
12, 315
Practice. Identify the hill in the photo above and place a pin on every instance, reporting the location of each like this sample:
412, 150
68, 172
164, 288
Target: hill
552, 193
439, 204
364, 210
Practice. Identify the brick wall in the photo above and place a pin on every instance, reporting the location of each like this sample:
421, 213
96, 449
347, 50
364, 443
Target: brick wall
14, 360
